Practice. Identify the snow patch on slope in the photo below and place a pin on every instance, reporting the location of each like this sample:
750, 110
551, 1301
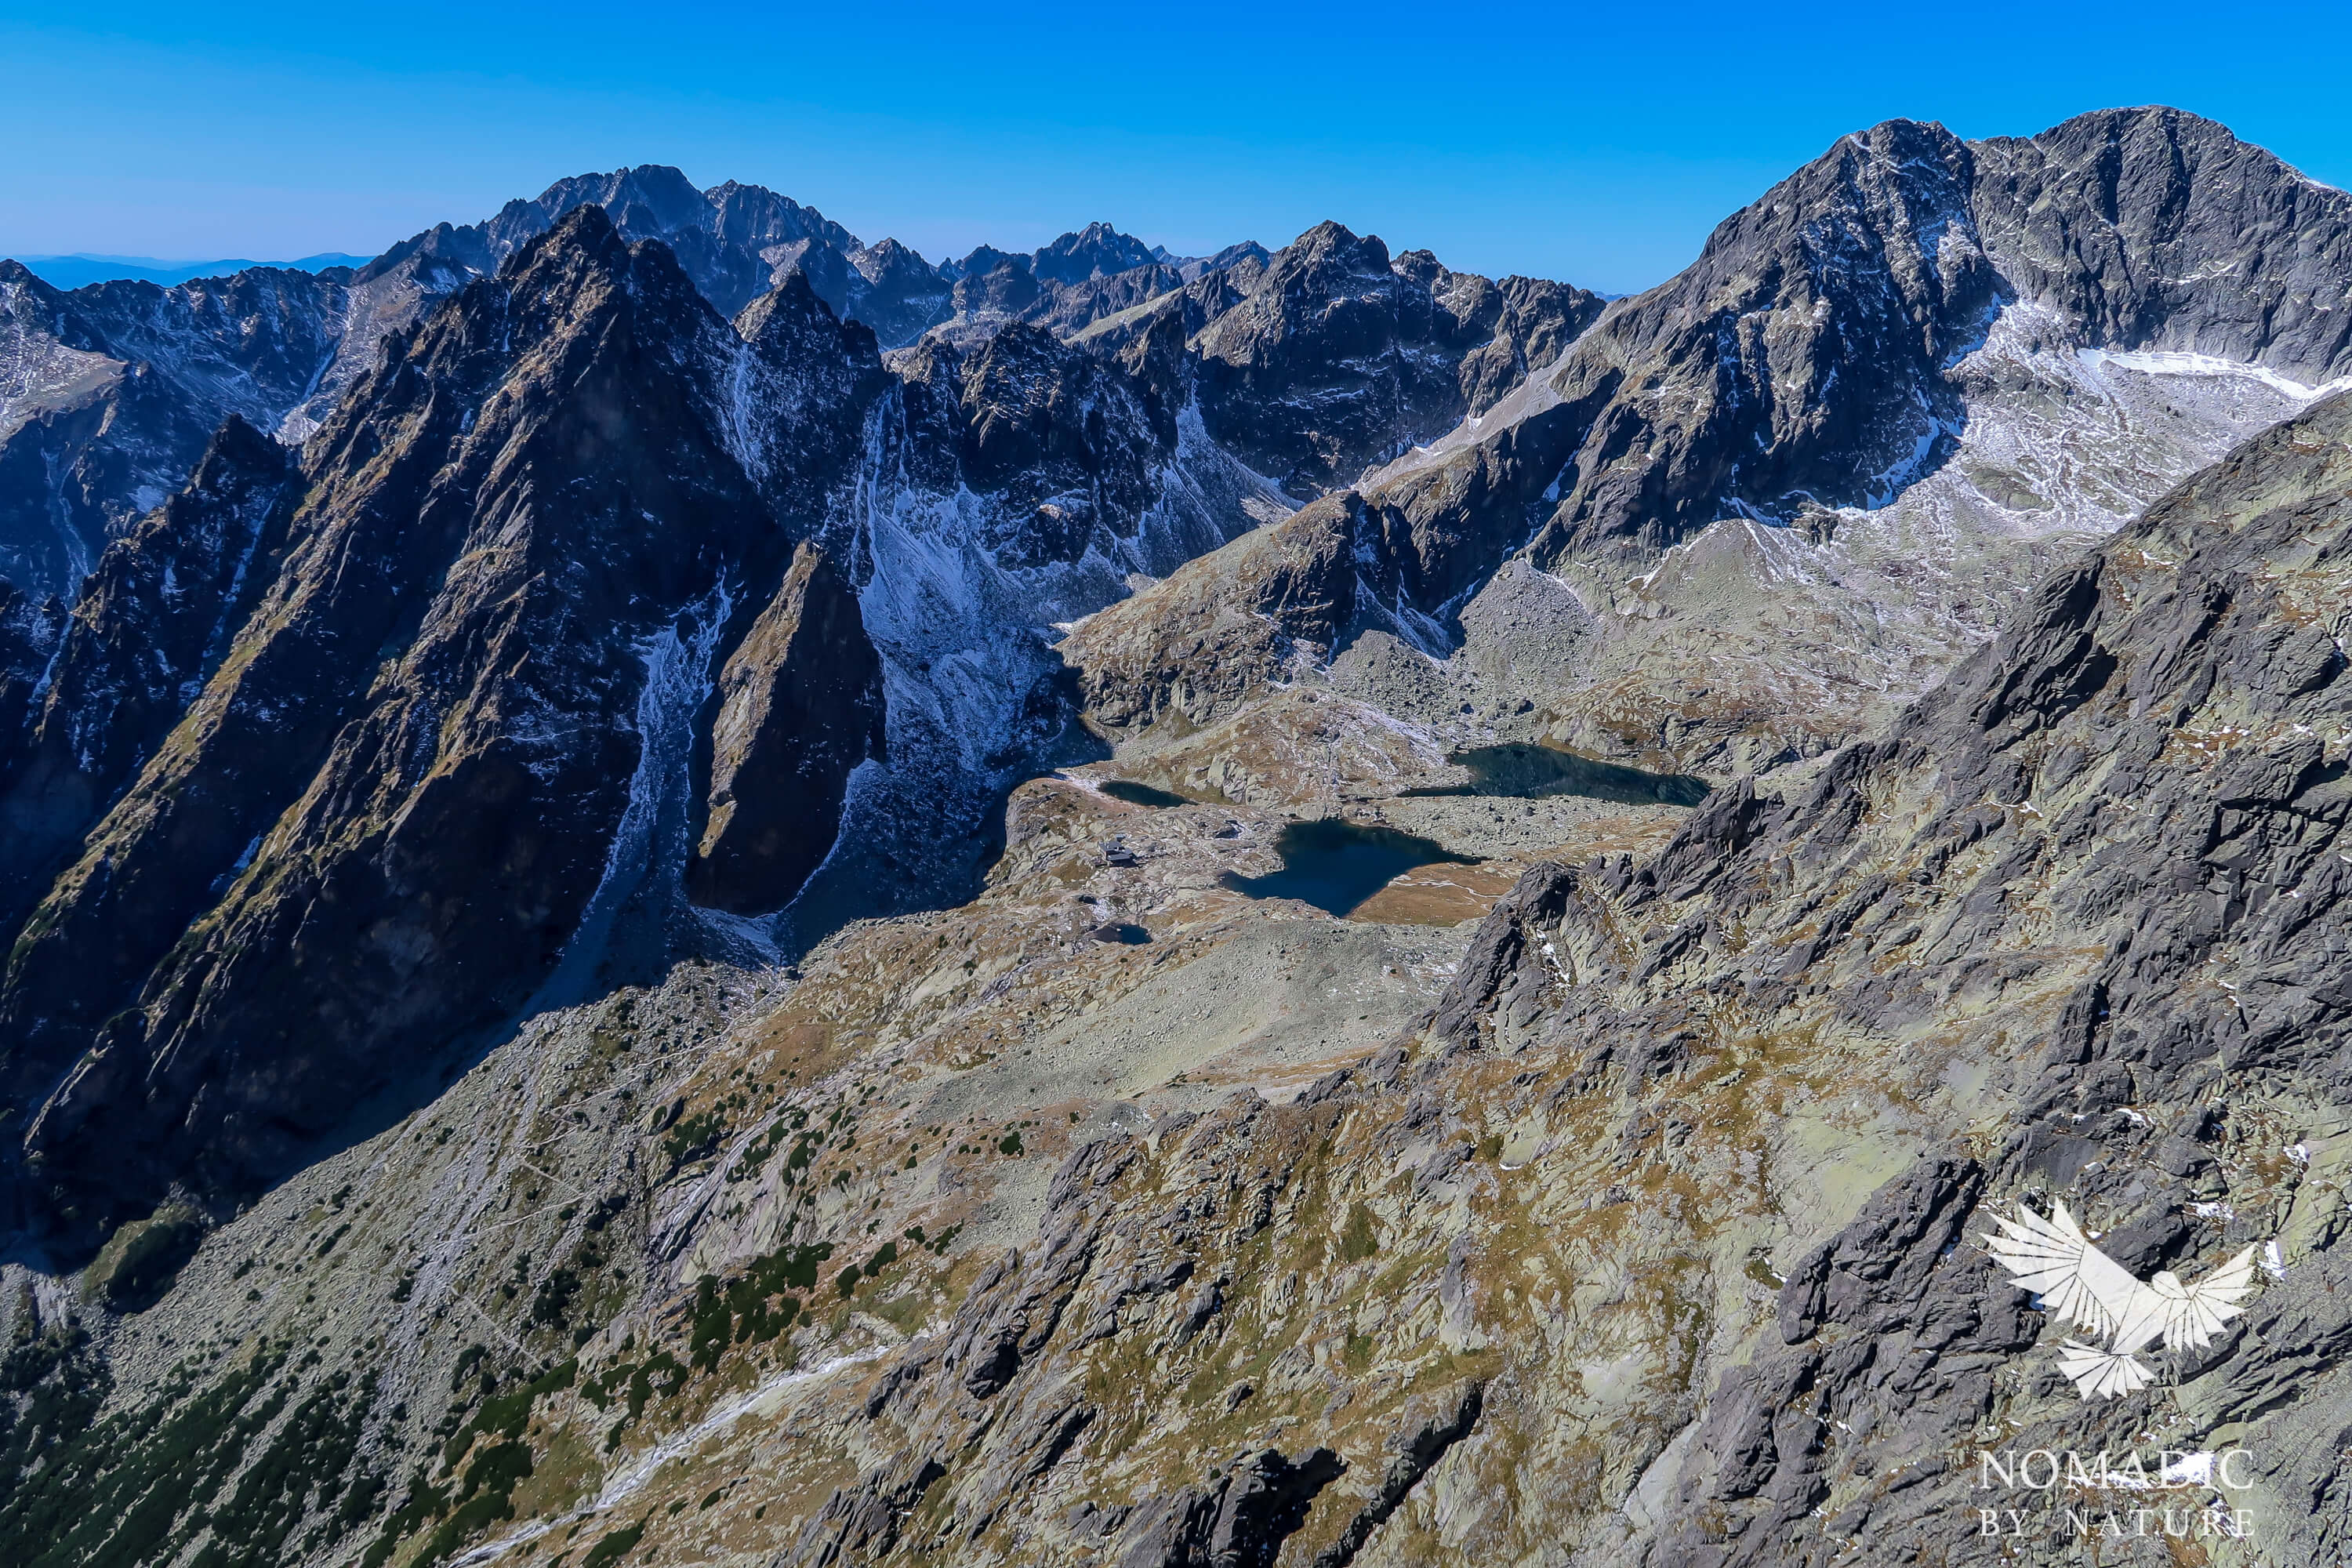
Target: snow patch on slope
650, 841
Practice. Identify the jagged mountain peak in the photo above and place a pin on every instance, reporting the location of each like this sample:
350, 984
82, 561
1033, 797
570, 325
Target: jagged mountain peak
2160, 229
1396, 356
2180, 127
1098, 251
982, 260
236, 448
1332, 239
1807, 354
585, 242
657, 190
889, 263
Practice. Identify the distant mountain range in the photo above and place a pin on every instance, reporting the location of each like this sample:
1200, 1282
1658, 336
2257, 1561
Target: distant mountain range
82, 267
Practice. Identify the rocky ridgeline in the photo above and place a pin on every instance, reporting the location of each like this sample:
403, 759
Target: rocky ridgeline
1884, 401
110, 393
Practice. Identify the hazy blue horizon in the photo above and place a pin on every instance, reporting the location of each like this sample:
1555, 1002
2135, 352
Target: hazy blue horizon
1567, 141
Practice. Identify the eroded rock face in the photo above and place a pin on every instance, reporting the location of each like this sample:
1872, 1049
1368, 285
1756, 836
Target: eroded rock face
2163, 231
29, 631
800, 705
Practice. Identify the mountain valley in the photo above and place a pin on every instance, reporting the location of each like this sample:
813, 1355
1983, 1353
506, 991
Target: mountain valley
684, 891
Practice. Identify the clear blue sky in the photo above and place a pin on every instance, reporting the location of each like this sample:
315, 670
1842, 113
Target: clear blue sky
1590, 144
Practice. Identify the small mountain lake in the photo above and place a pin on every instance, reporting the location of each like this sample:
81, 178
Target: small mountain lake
1337, 865
1136, 793
1523, 771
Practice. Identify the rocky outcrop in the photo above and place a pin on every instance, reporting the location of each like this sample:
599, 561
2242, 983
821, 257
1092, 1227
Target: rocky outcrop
2161, 230
728, 238
1070, 451
1360, 355
1224, 627
1532, 319
799, 706
1802, 353
1063, 286
1241, 1519
894, 292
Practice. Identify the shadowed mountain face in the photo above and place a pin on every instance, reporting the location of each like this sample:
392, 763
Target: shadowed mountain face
800, 707
1365, 357
489, 615
1092, 906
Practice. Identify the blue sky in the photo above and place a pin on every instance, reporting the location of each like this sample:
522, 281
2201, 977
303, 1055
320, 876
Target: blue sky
1590, 144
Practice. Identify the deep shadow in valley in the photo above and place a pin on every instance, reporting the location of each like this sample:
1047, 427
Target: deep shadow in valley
1522, 771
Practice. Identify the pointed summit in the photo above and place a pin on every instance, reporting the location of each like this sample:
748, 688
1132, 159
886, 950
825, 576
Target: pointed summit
1098, 251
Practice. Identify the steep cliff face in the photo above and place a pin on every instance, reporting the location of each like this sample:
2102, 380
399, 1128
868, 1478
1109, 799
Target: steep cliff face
527, 540
29, 630
1799, 359
2161, 230
109, 393
800, 707
727, 239
153, 622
